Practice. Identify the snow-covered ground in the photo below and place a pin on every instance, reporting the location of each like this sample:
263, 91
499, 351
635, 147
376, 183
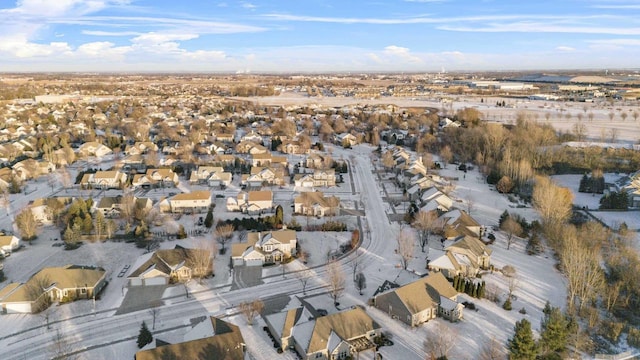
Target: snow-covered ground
537, 277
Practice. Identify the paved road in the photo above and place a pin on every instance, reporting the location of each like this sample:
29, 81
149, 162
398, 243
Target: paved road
104, 329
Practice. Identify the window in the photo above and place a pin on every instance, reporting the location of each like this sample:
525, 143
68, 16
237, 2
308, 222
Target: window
83, 291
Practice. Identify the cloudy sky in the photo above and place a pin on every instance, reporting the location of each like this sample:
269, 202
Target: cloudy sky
317, 35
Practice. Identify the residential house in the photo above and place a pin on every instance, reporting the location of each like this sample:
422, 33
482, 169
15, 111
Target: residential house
281, 324
194, 202
93, 148
224, 136
319, 178
291, 147
268, 159
345, 139
250, 147
269, 175
105, 179
211, 338
8, 243
317, 161
213, 176
253, 137
264, 248
31, 168
111, 206
170, 266
314, 203
41, 211
336, 336
421, 301
466, 256
434, 199
52, 284
252, 202
140, 147
458, 222
155, 178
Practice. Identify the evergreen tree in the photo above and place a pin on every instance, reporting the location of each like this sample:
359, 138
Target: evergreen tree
507, 304
481, 290
456, 280
208, 220
279, 218
503, 218
554, 331
522, 346
144, 337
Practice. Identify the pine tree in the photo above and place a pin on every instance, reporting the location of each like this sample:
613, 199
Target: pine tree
503, 218
144, 337
481, 291
554, 330
474, 292
507, 304
456, 279
522, 346
208, 220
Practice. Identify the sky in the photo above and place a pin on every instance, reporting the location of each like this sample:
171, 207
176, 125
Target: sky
289, 36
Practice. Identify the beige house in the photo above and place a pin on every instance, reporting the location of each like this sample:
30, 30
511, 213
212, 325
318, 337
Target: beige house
8, 243
270, 175
252, 202
140, 147
211, 338
264, 248
268, 159
319, 178
314, 203
466, 256
194, 202
250, 147
31, 169
171, 266
93, 148
111, 206
421, 301
105, 180
336, 336
155, 178
53, 284
213, 176
458, 223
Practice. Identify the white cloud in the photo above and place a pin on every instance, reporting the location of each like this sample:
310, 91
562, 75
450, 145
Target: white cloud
565, 48
249, 6
103, 49
401, 52
617, 42
159, 38
540, 27
110, 33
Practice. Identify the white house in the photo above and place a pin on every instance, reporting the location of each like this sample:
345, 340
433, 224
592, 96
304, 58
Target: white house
8, 243
264, 248
194, 202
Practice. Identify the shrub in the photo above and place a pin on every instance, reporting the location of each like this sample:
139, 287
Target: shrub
507, 304
633, 337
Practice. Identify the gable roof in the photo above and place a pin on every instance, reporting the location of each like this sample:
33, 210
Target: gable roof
195, 195
347, 325
421, 294
167, 260
226, 343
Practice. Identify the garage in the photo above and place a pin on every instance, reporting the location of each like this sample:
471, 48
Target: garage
135, 282
158, 280
253, 262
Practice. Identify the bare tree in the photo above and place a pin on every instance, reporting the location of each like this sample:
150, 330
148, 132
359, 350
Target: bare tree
99, 224
581, 265
304, 276
223, 235
446, 155
110, 228
251, 309
554, 203
512, 285
471, 204
440, 341
425, 223
202, 257
492, 350
336, 281
406, 247
27, 224
387, 161
128, 207
60, 347
512, 228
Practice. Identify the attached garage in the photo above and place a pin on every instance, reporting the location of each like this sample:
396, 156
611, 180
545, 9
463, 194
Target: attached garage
155, 281
253, 262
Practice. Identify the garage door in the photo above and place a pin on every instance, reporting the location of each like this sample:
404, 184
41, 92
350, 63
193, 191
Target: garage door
135, 282
155, 281
253, 262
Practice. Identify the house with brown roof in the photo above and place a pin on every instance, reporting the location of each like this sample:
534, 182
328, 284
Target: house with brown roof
155, 178
8, 243
264, 248
459, 223
269, 175
105, 180
190, 203
170, 266
314, 203
94, 148
319, 178
52, 284
466, 256
252, 202
140, 147
212, 338
421, 301
281, 323
250, 147
268, 159
213, 176
336, 336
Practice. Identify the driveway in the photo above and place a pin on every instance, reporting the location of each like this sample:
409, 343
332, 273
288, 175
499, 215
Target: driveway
141, 297
246, 276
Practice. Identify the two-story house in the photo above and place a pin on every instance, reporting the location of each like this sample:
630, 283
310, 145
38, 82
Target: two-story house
214, 176
190, 203
112, 179
265, 248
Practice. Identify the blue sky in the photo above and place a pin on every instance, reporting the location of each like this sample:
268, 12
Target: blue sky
317, 35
